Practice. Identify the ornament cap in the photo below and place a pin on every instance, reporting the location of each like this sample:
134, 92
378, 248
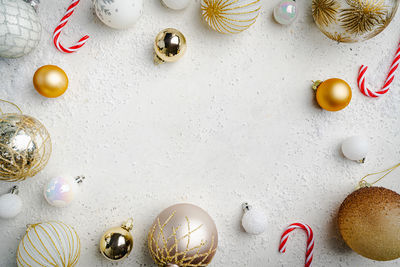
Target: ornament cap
158, 60
316, 84
362, 160
128, 225
79, 179
33, 3
246, 207
14, 190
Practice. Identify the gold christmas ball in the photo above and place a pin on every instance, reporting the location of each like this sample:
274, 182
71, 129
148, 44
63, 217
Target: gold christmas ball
369, 222
25, 147
351, 21
117, 243
183, 235
333, 94
169, 46
50, 81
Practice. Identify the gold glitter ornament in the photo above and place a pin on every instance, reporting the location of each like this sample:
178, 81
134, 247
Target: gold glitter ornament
230, 16
49, 244
351, 21
183, 235
25, 146
169, 46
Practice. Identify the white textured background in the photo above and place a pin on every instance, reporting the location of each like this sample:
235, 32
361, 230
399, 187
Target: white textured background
234, 120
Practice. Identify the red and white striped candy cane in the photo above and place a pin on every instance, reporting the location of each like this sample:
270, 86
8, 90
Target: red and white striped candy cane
310, 240
61, 25
388, 82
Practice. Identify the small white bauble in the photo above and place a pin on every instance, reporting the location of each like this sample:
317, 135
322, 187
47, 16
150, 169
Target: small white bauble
254, 221
10, 204
119, 14
355, 148
61, 190
285, 12
176, 4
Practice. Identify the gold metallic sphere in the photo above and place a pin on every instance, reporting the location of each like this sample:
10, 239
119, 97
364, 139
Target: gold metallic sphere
50, 81
169, 46
116, 243
333, 94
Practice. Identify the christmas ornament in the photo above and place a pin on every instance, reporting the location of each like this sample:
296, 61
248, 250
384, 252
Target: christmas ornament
61, 25
119, 14
355, 148
230, 16
183, 235
389, 79
333, 94
49, 244
169, 46
116, 243
25, 147
353, 20
10, 204
254, 221
285, 12
176, 4
310, 240
50, 81
20, 28
61, 191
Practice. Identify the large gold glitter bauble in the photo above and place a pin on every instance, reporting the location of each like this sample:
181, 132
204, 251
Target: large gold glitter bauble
50, 244
351, 21
369, 222
50, 81
183, 235
169, 46
116, 243
230, 16
333, 94
25, 147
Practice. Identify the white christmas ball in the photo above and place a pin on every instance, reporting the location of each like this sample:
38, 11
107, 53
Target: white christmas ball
119, 14
285, 12
10, 206
254, 221
61, 191
355, 148
176, 4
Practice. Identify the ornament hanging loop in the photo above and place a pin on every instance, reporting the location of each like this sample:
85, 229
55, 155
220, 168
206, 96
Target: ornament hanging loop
363, 183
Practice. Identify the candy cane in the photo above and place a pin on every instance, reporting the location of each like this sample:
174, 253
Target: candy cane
389, 78
310, 240
61, 25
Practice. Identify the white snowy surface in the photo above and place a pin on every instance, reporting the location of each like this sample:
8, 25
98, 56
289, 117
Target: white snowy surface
234, 120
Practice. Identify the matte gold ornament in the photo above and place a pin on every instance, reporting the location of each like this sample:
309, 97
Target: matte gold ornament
50, 81
116, 243
351, 21
183, 235
333, 94
369, 222
25, 147
169, 46
230, 16
49, 244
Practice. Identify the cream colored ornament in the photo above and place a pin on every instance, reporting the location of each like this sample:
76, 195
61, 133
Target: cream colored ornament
230, 16
49, 244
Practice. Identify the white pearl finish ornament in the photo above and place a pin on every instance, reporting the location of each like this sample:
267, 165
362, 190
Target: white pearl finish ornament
356, 148
61, 190
119, 14
10, 204
176, 4
285, 12
254, 221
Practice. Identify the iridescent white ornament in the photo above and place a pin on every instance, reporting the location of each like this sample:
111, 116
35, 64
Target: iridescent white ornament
119, 14
285, 12
355, 148
254, 221
10, 204
61, 190
176, 4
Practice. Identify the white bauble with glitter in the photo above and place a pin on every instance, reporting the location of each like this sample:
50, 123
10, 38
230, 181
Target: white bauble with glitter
20, 28
119, 14
10, 204
176, 4
254, 220
355, 148
285, 12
